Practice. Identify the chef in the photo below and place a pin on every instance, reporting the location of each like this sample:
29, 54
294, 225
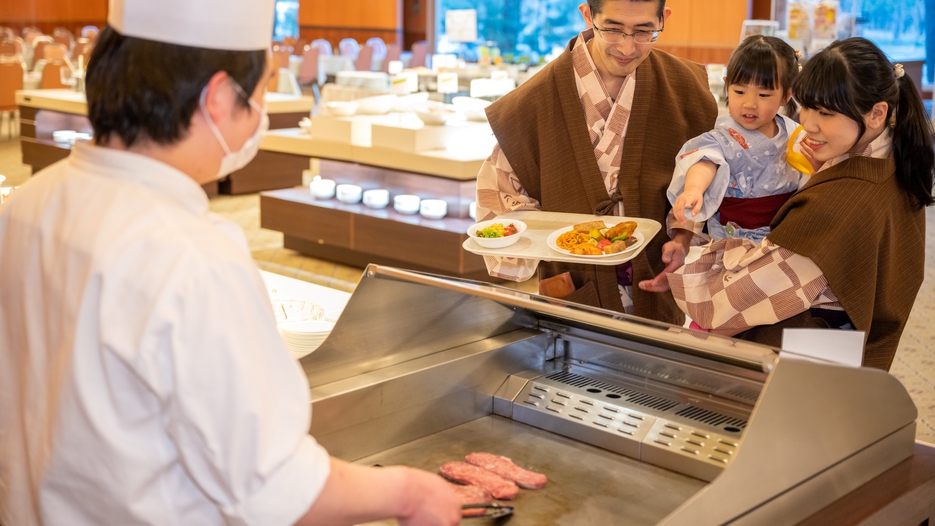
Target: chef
142, 378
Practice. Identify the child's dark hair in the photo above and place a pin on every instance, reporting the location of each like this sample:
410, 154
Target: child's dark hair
850, 77
767, 62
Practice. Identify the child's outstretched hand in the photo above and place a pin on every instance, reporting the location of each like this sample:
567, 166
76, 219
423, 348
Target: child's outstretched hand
689, 198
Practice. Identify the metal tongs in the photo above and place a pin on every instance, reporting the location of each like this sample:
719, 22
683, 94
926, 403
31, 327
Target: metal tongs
491, 511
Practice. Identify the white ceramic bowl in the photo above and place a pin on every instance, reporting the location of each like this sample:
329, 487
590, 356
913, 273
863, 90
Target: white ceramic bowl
433, 113
497, 242
405, 102
306, 126
348, 193
473, 109
406, 204
377, 198
472, 210
379, 105
433, 208
322, 188
341, 108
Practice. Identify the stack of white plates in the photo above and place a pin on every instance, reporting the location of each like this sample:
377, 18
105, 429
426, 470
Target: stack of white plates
303, 337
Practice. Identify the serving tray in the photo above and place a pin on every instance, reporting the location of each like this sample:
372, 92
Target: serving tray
539, 225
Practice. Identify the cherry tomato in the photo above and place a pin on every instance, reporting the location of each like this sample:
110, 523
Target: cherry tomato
509, 230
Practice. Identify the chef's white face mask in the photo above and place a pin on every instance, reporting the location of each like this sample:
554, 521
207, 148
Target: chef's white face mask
234, 161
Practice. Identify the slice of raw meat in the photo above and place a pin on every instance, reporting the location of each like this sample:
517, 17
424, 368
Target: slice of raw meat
472, 495
466, 473
507, 469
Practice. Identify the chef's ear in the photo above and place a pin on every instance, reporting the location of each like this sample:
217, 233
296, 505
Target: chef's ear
586, 14
219, 98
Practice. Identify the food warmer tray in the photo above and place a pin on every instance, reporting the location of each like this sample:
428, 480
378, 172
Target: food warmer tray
634, 421
539, 225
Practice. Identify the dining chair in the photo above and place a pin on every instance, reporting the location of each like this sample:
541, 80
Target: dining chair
324, 47
30, 34
90, 32
83, 48
63, 36
54, 51
52, 75
308, 72
364, 61
7, 47
420, 51
12, 70
38, 48
349, 48
379, 47
7, 33
393, 52
298, 49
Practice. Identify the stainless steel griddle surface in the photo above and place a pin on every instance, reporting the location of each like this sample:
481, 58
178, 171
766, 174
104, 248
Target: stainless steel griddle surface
587, 485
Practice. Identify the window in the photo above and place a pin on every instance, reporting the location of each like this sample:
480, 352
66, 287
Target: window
286, 24
522, 30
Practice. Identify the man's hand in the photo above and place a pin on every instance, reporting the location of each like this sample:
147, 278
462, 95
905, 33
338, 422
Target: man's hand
673, 255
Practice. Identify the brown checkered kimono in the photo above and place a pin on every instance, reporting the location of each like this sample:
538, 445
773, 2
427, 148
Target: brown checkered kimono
868, 239
542, 129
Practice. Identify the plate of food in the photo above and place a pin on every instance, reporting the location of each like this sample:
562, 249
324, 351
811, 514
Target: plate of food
596, 239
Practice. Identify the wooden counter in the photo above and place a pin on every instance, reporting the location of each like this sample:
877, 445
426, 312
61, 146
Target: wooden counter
45, 111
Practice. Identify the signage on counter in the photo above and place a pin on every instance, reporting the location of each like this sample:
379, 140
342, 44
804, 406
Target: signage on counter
447, 82
499, 74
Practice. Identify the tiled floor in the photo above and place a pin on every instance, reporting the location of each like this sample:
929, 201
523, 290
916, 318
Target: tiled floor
915, 360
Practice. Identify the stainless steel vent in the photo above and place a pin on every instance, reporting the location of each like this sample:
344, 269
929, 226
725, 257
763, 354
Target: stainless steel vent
634, 397
711, 418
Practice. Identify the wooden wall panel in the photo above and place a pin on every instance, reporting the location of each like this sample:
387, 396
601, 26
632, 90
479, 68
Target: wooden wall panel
705, 32
358, 19
414, 21
49, 14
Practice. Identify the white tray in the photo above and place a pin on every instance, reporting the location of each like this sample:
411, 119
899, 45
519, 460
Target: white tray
540, 224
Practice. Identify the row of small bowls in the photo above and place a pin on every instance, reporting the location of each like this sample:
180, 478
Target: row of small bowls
378, 198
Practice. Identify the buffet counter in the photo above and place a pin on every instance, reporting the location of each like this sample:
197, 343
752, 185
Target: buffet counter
382, 152
43, 112
632, 421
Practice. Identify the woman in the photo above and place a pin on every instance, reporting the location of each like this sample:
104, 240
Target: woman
846, 251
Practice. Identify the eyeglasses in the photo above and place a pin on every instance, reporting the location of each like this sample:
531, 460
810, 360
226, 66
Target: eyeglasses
615, 36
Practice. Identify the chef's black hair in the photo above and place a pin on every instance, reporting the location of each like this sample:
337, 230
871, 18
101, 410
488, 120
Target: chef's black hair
766, 62
596, 6
849, 77
141, 90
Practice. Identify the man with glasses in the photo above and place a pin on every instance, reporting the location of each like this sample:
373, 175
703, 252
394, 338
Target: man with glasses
597, 132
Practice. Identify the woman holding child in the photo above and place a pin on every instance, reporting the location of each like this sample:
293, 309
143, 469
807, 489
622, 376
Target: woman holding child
846, 250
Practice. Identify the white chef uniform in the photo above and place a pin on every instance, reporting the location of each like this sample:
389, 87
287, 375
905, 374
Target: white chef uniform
142, 378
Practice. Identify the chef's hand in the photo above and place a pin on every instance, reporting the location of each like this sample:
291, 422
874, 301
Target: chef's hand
673, 255
434, 503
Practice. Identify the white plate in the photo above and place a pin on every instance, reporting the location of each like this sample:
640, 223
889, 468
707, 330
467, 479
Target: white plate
551, 241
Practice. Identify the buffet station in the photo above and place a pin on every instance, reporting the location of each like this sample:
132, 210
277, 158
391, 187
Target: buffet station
51, 120
625, 420
396, 183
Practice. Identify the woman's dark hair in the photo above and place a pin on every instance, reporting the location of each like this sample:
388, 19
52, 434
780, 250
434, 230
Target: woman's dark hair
141, 90
767, 62
850, 77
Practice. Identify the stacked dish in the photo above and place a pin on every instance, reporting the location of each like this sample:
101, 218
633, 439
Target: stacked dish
303, 337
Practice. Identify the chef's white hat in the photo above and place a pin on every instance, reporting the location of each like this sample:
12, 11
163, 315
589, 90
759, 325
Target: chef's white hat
236, 25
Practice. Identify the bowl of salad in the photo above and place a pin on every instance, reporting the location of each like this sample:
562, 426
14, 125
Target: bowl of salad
497, 233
